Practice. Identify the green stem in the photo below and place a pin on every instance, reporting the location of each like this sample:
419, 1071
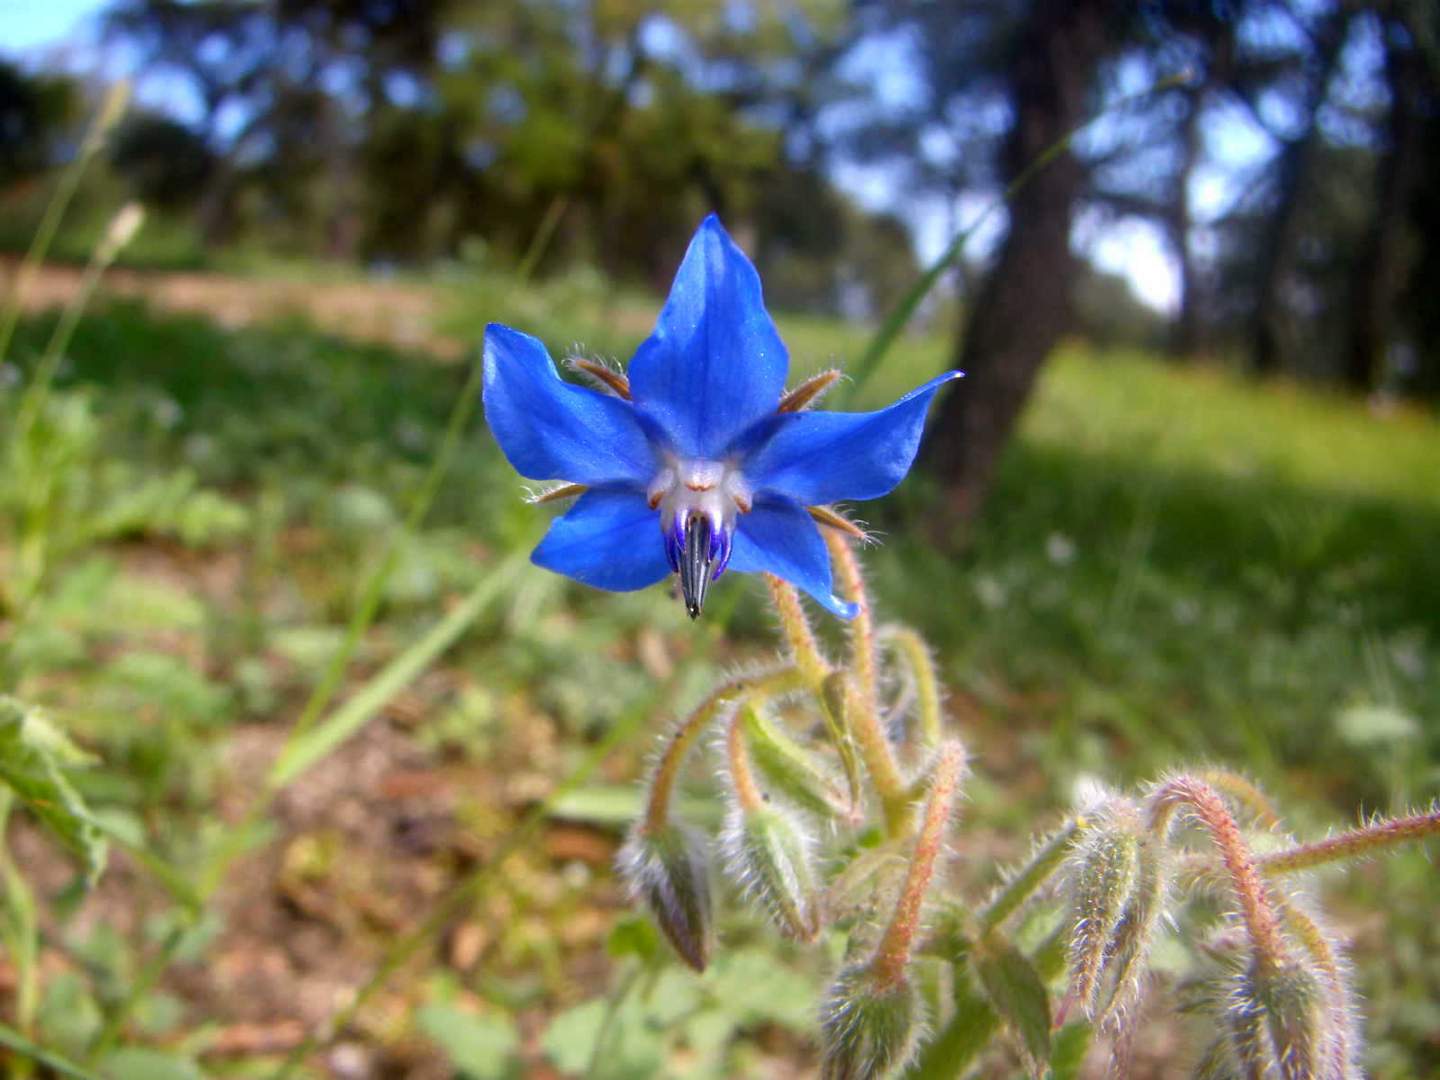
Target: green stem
667, 771
1045, 860
16, 1042
911, 647
108, 116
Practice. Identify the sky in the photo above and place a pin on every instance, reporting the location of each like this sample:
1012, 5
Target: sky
32, 30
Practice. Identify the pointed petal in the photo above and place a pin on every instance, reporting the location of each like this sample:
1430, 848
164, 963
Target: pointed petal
610, 539
778, 537
826, 457
715, 364
552, 430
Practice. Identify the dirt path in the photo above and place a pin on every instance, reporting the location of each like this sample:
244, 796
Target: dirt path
387, 313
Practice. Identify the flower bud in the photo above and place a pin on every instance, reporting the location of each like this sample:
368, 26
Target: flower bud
768, 854
1104, 870
1290, 1000
868, 1028
788, 767
1130, 947
668, 870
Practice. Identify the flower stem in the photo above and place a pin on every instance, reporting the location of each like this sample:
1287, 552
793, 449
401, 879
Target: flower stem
667, 771
1353, 844
892, 956
798, 632
1043, 862
862, 631
747, 792
911, 647
1256, 909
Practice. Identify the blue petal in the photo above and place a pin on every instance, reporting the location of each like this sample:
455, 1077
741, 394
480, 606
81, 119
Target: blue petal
824, 457
610, 539
552, 430
715, 364
779, 537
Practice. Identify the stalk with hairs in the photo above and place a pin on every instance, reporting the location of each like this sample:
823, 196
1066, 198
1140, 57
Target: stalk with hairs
842, 779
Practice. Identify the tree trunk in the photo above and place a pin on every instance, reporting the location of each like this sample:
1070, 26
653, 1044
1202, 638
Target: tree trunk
1378, 270
1185, 330
1024, 305
1270, 332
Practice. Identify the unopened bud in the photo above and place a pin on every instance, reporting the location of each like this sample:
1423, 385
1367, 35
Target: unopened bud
1130, 948
1104, 870
869, 1028
668, 870
768, 854
1291, 1000
788, 768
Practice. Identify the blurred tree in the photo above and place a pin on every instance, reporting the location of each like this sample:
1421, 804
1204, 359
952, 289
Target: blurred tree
165, 163
1378, 272
1044, 76
37, 115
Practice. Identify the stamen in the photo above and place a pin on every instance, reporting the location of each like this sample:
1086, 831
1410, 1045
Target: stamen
607, 377
809, 391
696, 562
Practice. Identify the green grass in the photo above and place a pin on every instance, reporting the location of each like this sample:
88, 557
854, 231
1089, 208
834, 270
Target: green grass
1175, 565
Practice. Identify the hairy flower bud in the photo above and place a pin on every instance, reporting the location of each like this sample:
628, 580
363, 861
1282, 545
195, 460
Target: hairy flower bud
1104, 872
1130, 947
869, 1028
1281, 1016
668, 870
768, 854
788, 768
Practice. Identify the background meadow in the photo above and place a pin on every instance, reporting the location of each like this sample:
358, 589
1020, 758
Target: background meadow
401, 864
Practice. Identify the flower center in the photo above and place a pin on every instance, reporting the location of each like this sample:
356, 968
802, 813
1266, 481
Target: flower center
698, 501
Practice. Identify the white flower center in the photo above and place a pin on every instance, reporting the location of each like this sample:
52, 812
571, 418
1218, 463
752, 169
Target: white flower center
696, 487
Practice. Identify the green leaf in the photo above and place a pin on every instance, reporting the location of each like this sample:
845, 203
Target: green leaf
1072, 1043
136, 1063
32, 752
480, 1046
1018, 994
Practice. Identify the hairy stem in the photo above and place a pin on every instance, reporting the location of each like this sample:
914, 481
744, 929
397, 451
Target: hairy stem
862, 631
1044, 861
1244, 792
667, 771
798, 632
1367, 840
912, 648
1205, 802
747, 792
892, 956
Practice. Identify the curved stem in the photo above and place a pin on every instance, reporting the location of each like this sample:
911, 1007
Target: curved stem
667, 770
911, 647
1261, 923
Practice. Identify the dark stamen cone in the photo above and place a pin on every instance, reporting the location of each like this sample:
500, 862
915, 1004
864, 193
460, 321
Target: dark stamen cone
696, 560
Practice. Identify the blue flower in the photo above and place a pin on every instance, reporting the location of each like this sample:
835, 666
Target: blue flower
698, 462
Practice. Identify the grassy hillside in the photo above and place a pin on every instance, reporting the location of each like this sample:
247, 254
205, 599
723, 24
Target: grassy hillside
1176, 565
